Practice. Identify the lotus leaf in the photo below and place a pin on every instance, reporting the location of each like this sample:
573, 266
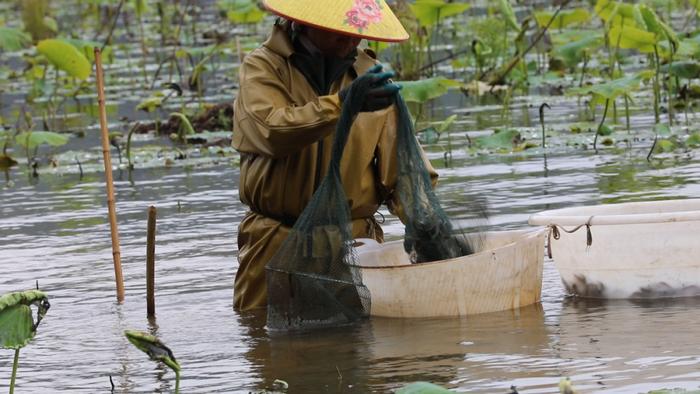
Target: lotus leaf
572, 52
426, 89
509, 14
662, 129
605, 130
32, 139
612, 89
428, 136
430, 12
242, 11
13, 39
87, 48
654, 24
150, 104
664, 146
422, 388
565, 18
65, 57
684, 69
629, 37
508, 139
153, 347
693, 140
615, 12
17, 325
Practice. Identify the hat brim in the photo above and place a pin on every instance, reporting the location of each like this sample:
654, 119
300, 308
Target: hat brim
389, 30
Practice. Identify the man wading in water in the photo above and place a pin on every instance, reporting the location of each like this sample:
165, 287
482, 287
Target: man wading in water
291, 93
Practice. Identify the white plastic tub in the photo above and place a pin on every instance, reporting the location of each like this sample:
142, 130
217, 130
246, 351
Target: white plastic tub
638, 250
505, 274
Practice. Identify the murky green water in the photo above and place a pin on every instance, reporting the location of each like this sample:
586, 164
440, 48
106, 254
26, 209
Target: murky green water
54, 229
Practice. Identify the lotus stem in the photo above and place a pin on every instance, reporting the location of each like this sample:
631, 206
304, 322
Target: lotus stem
542, 107
177, 382
657, 88
14, 371
627, 113
600, 125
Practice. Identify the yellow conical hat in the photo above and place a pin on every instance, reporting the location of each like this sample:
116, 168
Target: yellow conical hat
370, 19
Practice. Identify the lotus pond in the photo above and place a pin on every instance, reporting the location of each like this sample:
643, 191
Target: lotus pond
620, 124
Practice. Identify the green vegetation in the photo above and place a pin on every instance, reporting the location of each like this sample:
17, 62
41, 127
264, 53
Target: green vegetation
156, 351
171, 74
17, 325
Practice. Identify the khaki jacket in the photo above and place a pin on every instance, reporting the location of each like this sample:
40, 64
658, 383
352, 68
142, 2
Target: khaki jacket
284, 132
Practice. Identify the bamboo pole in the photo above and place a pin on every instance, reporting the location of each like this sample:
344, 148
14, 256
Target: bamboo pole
151, 263
116, 254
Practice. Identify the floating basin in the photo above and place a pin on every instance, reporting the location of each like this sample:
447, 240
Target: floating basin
505, 274
638, 250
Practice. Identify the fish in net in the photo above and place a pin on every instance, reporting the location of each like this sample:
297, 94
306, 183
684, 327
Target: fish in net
314, 279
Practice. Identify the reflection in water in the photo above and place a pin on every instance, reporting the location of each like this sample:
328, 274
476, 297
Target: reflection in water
441, 350
328, 360
630, 346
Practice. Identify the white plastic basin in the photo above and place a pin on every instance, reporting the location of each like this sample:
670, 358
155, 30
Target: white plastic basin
638, 250
505, 274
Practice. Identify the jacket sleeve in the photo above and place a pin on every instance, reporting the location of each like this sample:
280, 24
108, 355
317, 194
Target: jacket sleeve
266, 120
387, 166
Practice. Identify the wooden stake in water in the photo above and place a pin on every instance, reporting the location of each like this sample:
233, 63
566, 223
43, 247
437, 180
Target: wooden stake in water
151, 263
116, 254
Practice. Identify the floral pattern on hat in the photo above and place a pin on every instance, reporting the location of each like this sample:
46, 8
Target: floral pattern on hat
363, 13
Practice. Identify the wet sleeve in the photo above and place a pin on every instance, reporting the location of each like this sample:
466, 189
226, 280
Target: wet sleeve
266, 121
387, 166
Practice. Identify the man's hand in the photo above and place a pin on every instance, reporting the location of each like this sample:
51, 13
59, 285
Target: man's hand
382, 92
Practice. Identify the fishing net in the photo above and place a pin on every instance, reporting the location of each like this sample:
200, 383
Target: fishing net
314, 279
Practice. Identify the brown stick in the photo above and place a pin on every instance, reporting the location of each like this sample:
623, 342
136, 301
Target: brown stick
116, 254
151, 263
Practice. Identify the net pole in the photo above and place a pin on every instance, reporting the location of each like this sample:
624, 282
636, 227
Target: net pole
116, 253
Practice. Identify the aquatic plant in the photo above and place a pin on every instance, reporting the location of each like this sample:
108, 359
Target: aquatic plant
156, 351
242, 11
13, 39
17, 325
416, 54
423, 388
607, 92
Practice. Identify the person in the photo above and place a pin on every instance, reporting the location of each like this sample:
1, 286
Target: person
290, 98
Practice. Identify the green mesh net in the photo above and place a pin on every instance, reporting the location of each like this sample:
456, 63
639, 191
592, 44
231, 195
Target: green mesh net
314, 279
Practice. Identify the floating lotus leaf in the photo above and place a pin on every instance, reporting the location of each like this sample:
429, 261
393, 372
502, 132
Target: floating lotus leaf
65, 57
153, 347
507, 139
693, 140
17, 325
423, 388
664, 146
